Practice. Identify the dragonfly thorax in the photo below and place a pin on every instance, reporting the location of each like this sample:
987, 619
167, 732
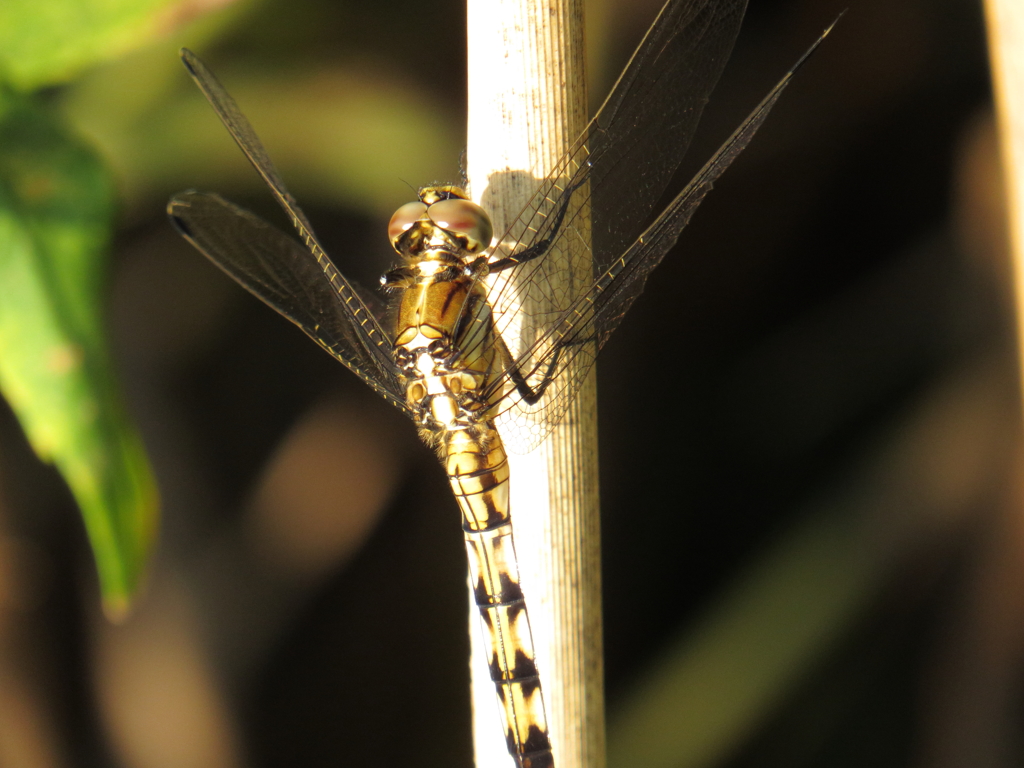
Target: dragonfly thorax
442, 392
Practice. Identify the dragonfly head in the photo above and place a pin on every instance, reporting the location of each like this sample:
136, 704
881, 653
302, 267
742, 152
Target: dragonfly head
443, 218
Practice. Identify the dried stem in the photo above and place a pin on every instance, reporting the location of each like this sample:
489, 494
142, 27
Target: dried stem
1005, 20
527, 102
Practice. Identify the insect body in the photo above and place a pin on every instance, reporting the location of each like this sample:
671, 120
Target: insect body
444, 343
451, 360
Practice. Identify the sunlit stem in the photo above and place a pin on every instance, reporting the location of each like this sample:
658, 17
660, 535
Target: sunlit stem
1005, 21
527, 102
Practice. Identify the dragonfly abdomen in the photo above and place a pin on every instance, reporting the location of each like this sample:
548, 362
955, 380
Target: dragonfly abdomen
478, 472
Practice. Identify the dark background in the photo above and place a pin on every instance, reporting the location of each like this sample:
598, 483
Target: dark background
808, 426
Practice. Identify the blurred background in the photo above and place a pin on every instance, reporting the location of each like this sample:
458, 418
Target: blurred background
813, 539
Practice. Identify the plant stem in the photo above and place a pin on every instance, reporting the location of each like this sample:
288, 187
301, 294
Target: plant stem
527, 103
1005, 22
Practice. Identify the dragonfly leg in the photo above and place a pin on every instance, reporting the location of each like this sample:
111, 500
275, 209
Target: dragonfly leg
529, 394
539, 248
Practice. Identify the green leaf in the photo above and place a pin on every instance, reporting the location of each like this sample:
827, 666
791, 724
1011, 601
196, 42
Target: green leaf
56, 205
43, 42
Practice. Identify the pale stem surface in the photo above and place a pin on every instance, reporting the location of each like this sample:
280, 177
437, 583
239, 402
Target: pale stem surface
527, 103
1005, 21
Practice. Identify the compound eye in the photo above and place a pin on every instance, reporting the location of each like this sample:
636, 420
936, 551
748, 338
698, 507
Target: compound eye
466, 220
403, 219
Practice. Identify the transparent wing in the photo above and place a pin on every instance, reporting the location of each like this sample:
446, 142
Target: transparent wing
290, 278
357, 338
244, 135
621, 163
554, 313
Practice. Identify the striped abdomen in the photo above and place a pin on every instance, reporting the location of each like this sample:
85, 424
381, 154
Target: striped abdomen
478, 473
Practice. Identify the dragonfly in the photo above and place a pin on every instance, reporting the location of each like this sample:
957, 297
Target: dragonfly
476, 336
